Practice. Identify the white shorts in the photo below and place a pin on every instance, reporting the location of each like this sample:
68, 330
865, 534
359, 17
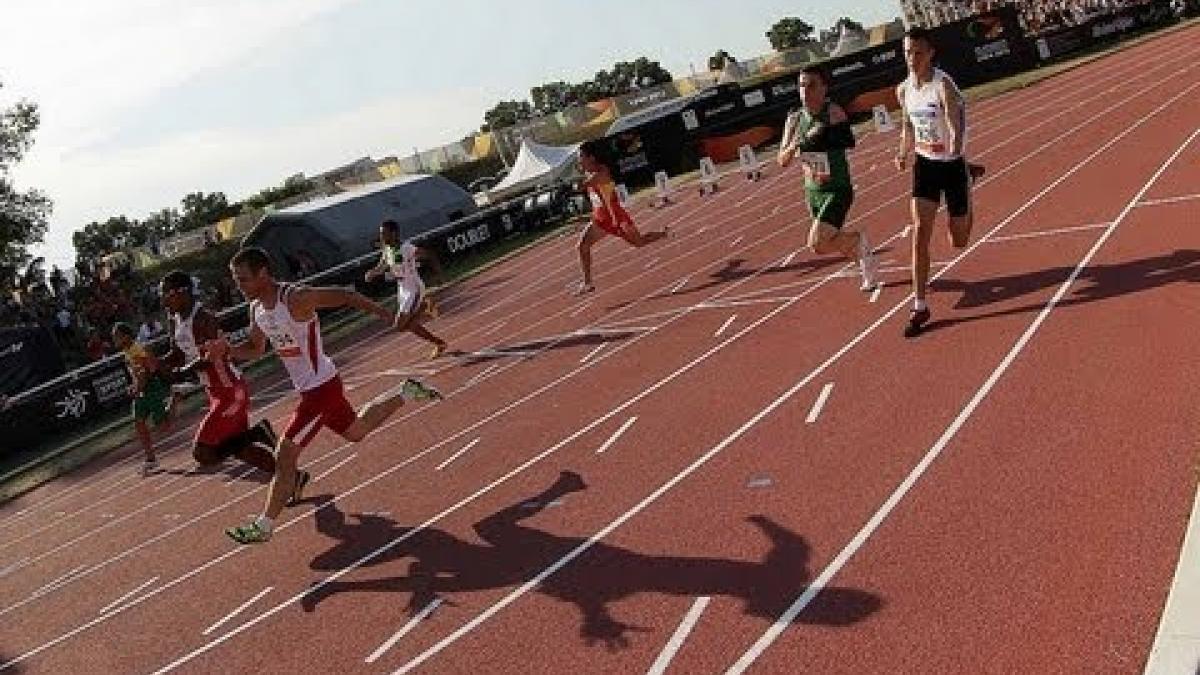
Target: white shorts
408, 297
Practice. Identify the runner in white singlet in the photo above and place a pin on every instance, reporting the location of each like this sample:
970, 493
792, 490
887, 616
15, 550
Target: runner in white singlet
399, 260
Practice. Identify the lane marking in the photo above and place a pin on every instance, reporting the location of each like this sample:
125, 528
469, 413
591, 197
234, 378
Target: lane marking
1048, 233
725, 326
223, 620
125, 597
588, 357
613, 439
685, 627
819, 404
335, 467
412, 623
458, 454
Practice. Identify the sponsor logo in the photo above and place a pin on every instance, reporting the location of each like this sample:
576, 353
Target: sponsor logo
783, 89
884, 57
992, 50
111, 386
757, 97
848, 68
465, 240
720, 110
1116, 26
73, 404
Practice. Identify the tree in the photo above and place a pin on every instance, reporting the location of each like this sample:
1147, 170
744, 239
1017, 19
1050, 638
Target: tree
162, 224
789, 33
23, 215
835, 31
552, 97
506, 114
295, 185
98, 239
718, 61
200, 210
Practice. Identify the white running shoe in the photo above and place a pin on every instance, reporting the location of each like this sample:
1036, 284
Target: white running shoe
867, 264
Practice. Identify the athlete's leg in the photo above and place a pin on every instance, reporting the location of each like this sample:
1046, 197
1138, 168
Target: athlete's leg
591, 234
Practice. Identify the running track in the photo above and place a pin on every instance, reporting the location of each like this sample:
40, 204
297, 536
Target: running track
726, 459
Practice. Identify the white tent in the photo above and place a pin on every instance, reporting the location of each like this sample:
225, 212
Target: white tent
536, 164
850, 41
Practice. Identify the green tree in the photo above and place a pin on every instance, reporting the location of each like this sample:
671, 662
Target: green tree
162, 224
98, 239
717, 61
506, 114
552, 97
23, 214
789, 33
291, 187
200, 209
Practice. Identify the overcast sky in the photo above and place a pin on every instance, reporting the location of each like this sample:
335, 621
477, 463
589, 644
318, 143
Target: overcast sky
143, 101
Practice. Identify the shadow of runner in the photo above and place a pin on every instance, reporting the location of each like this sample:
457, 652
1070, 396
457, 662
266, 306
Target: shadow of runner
515, 553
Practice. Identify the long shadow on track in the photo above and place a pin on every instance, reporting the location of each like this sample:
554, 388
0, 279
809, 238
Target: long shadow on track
514, 553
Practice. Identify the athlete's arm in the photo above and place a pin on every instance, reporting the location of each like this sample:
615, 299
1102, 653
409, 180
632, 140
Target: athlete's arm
836, 135
254, 346
787, 145
304, 302
378, 269
906, 132
953, 104
205, 328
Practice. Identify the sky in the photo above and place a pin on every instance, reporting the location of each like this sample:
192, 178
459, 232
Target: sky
144, 101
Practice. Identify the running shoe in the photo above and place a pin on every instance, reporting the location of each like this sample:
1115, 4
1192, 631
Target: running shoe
917, 319
249, 534
416, 390
302, 479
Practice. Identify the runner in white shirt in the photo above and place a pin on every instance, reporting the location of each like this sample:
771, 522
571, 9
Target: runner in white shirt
286, 315
934, 116
399, 260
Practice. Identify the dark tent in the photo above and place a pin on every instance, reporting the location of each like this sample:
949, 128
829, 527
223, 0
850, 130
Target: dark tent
317, 235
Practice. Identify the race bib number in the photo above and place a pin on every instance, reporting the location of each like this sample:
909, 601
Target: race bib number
929, 136
595, 199
816, 166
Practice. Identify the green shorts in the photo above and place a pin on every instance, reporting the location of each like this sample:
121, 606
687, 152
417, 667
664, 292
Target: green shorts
829, 206
152, 404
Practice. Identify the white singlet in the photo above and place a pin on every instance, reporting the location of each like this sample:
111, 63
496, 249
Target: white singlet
216, 375
297, 343
927, 113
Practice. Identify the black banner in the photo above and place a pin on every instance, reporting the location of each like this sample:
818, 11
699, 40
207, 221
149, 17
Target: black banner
983, 48
29, 356
1108, 27
64, 405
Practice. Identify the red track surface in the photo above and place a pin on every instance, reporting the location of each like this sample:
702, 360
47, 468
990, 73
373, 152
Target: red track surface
1006, 493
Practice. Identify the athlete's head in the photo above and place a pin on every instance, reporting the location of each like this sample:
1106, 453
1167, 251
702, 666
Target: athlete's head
918, 50
177, 291
251, 269
122, 334
814, 87
389, 233
588, 161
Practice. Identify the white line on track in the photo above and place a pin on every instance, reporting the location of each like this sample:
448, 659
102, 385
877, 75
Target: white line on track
481, 374
685, 627
819, 404
725, 326
1169, 200
225, 619
735, 242
458, 454
619, 432
588, 357
335, 467
679, 286
1049, 233
125, 597
412, 623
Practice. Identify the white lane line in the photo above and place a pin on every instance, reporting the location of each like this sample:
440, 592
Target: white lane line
125, 597
818, 584
652, 263
335, 467
482, 374
735, 242
685, 627
875, 293
725, 326
56, 583
412, 623
13, 566
819, 405
1176, 646
788, 260
1049, 233
588, 357
620, 432
458, 454
495, 328
1170, 200
223, 620
581, 308
679, 286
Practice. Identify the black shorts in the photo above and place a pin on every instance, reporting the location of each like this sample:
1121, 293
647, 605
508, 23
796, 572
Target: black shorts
933, 178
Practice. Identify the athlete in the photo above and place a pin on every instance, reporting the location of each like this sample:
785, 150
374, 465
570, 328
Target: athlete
608, 216
935, 123
819, 133
150, 391
399, 260
225, 430
286, 316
